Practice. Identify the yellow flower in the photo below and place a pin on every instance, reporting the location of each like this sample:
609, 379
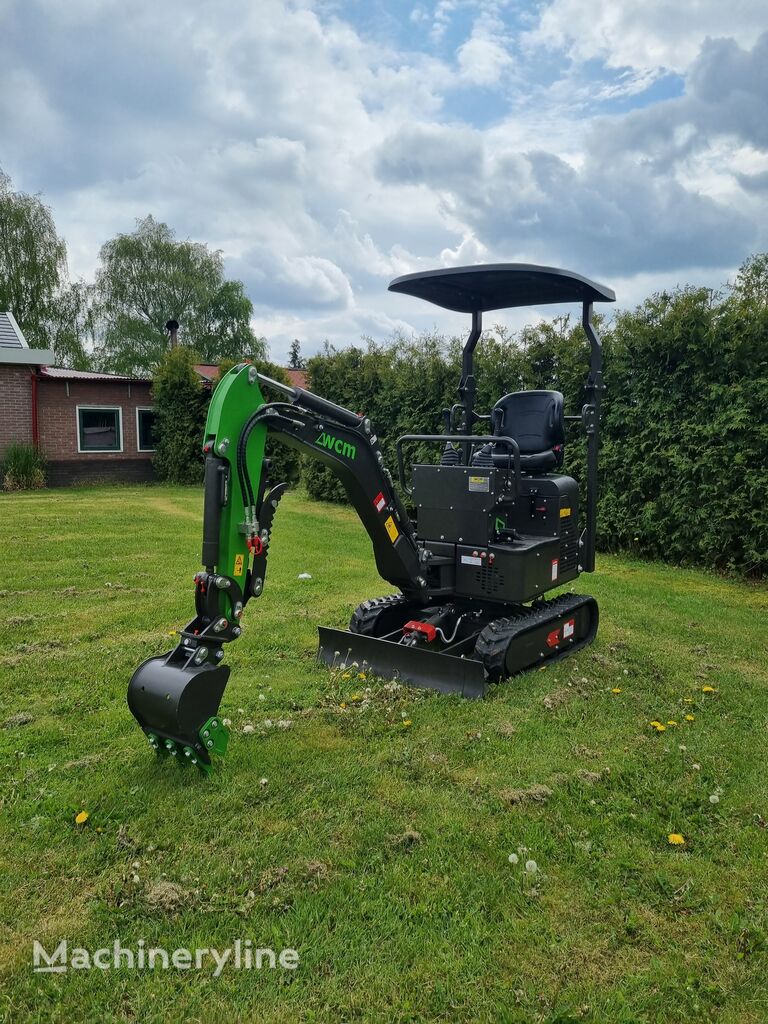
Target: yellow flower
82, 817
343, 704
356, 697
690, 718
171, 632
346, 675
616, 689
671, 722
658, 726
688, 700
407, 722
708, 689
675, 839
361, 675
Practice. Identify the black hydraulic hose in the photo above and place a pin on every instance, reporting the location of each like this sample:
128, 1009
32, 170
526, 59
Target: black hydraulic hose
244, 477
212, 511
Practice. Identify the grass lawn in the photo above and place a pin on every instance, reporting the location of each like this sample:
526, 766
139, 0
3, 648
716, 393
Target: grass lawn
379, 850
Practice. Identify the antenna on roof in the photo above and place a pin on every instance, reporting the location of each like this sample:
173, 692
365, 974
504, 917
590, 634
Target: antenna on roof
173, 330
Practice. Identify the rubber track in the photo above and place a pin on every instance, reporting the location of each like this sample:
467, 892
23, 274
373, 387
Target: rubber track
493, 642
365, 616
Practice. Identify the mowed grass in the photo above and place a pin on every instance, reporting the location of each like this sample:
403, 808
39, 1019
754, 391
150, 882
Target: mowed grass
378, 850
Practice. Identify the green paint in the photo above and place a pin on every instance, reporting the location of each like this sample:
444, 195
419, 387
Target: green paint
234, 399
500, 524
336, 444
214, 736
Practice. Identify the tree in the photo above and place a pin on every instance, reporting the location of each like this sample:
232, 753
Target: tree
295, 360
180, 403
71, 324
149, 277
33, 262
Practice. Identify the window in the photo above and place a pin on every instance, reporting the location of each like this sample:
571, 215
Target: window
99, 429
145, 430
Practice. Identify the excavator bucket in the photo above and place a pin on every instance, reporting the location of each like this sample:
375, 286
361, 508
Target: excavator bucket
176, 703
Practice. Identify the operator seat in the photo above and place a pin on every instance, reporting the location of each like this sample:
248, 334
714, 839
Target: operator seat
535, 420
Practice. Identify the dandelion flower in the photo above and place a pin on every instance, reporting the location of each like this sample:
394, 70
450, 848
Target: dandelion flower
531, 867
82, 817
616, 689
347, 675
690, 718
513, 858
407, 723
361, 675
708, 689
714, 799
658, 726
356, 697
675, 839
343, 704
688, 700
671, 722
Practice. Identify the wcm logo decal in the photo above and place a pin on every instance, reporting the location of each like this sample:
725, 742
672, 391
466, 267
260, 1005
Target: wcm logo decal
336, 444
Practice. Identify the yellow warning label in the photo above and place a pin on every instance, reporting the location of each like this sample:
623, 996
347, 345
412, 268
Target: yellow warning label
238, 565
391, 529
564, 513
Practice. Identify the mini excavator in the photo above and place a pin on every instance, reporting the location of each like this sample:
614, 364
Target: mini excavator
498, 525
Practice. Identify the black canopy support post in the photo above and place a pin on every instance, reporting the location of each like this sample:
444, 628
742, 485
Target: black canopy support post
467, 389
590, 415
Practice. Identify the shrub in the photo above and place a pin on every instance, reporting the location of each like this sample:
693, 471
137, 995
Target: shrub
23, 468
180, 402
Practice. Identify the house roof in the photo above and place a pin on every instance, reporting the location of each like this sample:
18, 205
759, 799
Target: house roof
14, 347
60, 373
298, 378
10, 332
208, 371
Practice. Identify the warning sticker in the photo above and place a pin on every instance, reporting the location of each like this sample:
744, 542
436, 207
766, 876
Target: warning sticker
564, 513
238, 565
568, 628
480, 483
554, 568
379, 502
392, 530
471, 560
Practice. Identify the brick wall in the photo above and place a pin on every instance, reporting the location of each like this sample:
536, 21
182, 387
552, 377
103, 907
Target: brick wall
15, 405
57, 417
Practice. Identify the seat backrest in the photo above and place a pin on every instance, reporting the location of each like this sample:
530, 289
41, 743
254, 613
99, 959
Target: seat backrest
532, 418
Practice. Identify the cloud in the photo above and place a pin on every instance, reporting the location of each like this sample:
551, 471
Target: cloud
294, 282
429, 154
643, 34
323, 160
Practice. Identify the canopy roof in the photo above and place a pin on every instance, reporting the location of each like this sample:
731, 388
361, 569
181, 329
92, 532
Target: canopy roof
480, 288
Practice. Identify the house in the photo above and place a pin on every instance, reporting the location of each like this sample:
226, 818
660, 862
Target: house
89, 426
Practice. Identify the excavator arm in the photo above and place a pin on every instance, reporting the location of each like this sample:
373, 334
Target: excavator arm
175, 697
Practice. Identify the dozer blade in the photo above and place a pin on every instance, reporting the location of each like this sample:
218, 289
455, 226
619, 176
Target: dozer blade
177, 707
448, 673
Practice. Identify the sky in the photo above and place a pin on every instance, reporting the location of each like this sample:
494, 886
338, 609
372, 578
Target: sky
326, 147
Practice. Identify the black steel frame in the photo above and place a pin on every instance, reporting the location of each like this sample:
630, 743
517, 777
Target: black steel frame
589, 419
